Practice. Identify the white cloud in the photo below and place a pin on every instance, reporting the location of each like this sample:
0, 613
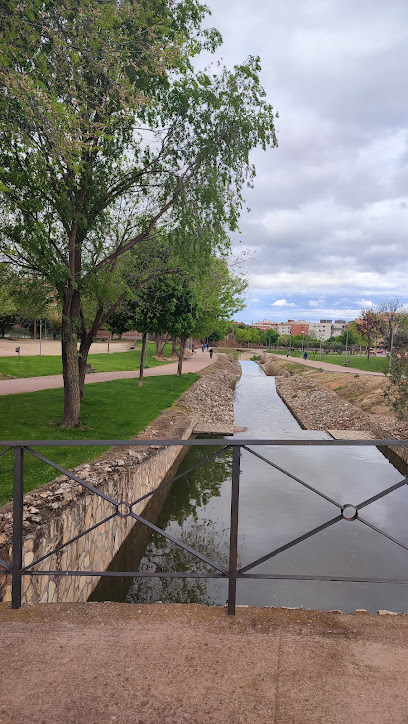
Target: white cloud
366, 303
283, 303
313, 303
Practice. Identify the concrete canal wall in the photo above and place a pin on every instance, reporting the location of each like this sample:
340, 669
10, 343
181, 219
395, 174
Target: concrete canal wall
61, 510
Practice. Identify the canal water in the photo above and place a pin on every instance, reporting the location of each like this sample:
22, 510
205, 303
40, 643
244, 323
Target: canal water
274, 509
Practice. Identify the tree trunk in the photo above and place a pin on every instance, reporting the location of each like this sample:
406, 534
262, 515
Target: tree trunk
368, 349
141, 368
174, 346
163, 347
181, 355
70, 371
157, 339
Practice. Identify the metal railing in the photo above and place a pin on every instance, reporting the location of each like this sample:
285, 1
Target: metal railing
125, 509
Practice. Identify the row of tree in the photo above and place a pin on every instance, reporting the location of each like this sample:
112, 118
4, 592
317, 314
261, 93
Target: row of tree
120, 163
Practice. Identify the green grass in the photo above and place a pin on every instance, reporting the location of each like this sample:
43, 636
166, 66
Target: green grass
111, 410
376, 364
37, 366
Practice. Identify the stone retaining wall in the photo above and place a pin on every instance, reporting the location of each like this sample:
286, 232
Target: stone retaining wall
62, 509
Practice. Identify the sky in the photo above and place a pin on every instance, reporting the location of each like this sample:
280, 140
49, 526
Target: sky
328, 228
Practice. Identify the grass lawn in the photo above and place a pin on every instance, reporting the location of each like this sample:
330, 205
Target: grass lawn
376, 364
111, 410
36, 366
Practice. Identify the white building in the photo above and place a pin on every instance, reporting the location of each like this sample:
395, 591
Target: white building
322, 329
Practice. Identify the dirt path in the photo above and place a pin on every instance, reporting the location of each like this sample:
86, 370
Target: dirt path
31, 347
168, 664
195, 363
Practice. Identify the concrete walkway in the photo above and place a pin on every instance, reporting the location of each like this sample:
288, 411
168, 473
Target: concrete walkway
94, 663
327, 365
195, 363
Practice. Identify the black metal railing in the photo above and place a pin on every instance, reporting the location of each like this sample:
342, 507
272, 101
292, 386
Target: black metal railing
125, 509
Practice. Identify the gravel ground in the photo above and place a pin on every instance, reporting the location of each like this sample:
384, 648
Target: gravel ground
212, 397
317, 406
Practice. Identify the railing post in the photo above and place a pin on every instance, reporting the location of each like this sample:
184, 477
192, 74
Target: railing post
233, 558
17, 527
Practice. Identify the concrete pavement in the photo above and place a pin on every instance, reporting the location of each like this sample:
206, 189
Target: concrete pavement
94, 663
195, 363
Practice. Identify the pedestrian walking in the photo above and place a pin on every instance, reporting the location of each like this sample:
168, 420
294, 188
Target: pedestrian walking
211, 352
203, 348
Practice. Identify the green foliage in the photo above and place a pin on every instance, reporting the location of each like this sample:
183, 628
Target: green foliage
396, 393
271, 336
112, 410
106, 128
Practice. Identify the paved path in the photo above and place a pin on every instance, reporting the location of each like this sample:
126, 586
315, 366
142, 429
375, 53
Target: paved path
327, 366
195, 363
99, 663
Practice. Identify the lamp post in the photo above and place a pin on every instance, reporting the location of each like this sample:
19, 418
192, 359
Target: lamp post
320, 335
303, 339
347, 329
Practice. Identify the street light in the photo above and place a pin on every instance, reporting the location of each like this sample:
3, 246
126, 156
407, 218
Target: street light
303, 339
347, 328
320, 336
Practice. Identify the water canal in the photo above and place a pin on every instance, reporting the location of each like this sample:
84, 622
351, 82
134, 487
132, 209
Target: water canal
274, 509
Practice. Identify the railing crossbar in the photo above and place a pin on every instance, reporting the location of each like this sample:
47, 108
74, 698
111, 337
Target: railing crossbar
127, 574
292, 543
236, 442
67, 543
5, 565
293, 477
179, 543
382, 494
90, 487
181, 475
382, 532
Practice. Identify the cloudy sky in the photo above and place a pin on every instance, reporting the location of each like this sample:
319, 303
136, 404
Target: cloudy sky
329, 219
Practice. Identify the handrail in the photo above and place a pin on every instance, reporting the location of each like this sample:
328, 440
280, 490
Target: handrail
125, 509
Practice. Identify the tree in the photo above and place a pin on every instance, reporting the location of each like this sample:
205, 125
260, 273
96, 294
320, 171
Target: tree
369, 326
218, 293
103, 113
271, 336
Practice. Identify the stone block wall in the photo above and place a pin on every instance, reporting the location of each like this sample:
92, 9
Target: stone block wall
61, 510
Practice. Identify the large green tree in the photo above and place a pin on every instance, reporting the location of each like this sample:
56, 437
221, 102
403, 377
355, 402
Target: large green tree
106, 134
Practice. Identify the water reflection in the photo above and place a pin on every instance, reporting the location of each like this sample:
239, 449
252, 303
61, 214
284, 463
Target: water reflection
275, 509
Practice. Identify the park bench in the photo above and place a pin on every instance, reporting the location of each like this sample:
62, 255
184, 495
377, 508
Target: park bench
89, 368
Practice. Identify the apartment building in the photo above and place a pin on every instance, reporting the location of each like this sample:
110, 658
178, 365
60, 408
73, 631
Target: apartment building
322, 329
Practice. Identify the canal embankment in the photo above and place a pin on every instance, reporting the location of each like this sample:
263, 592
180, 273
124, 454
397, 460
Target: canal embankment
62, 510
336, 401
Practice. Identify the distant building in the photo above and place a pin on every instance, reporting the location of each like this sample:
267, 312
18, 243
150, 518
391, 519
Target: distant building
338, 327
265, 325
322, 329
